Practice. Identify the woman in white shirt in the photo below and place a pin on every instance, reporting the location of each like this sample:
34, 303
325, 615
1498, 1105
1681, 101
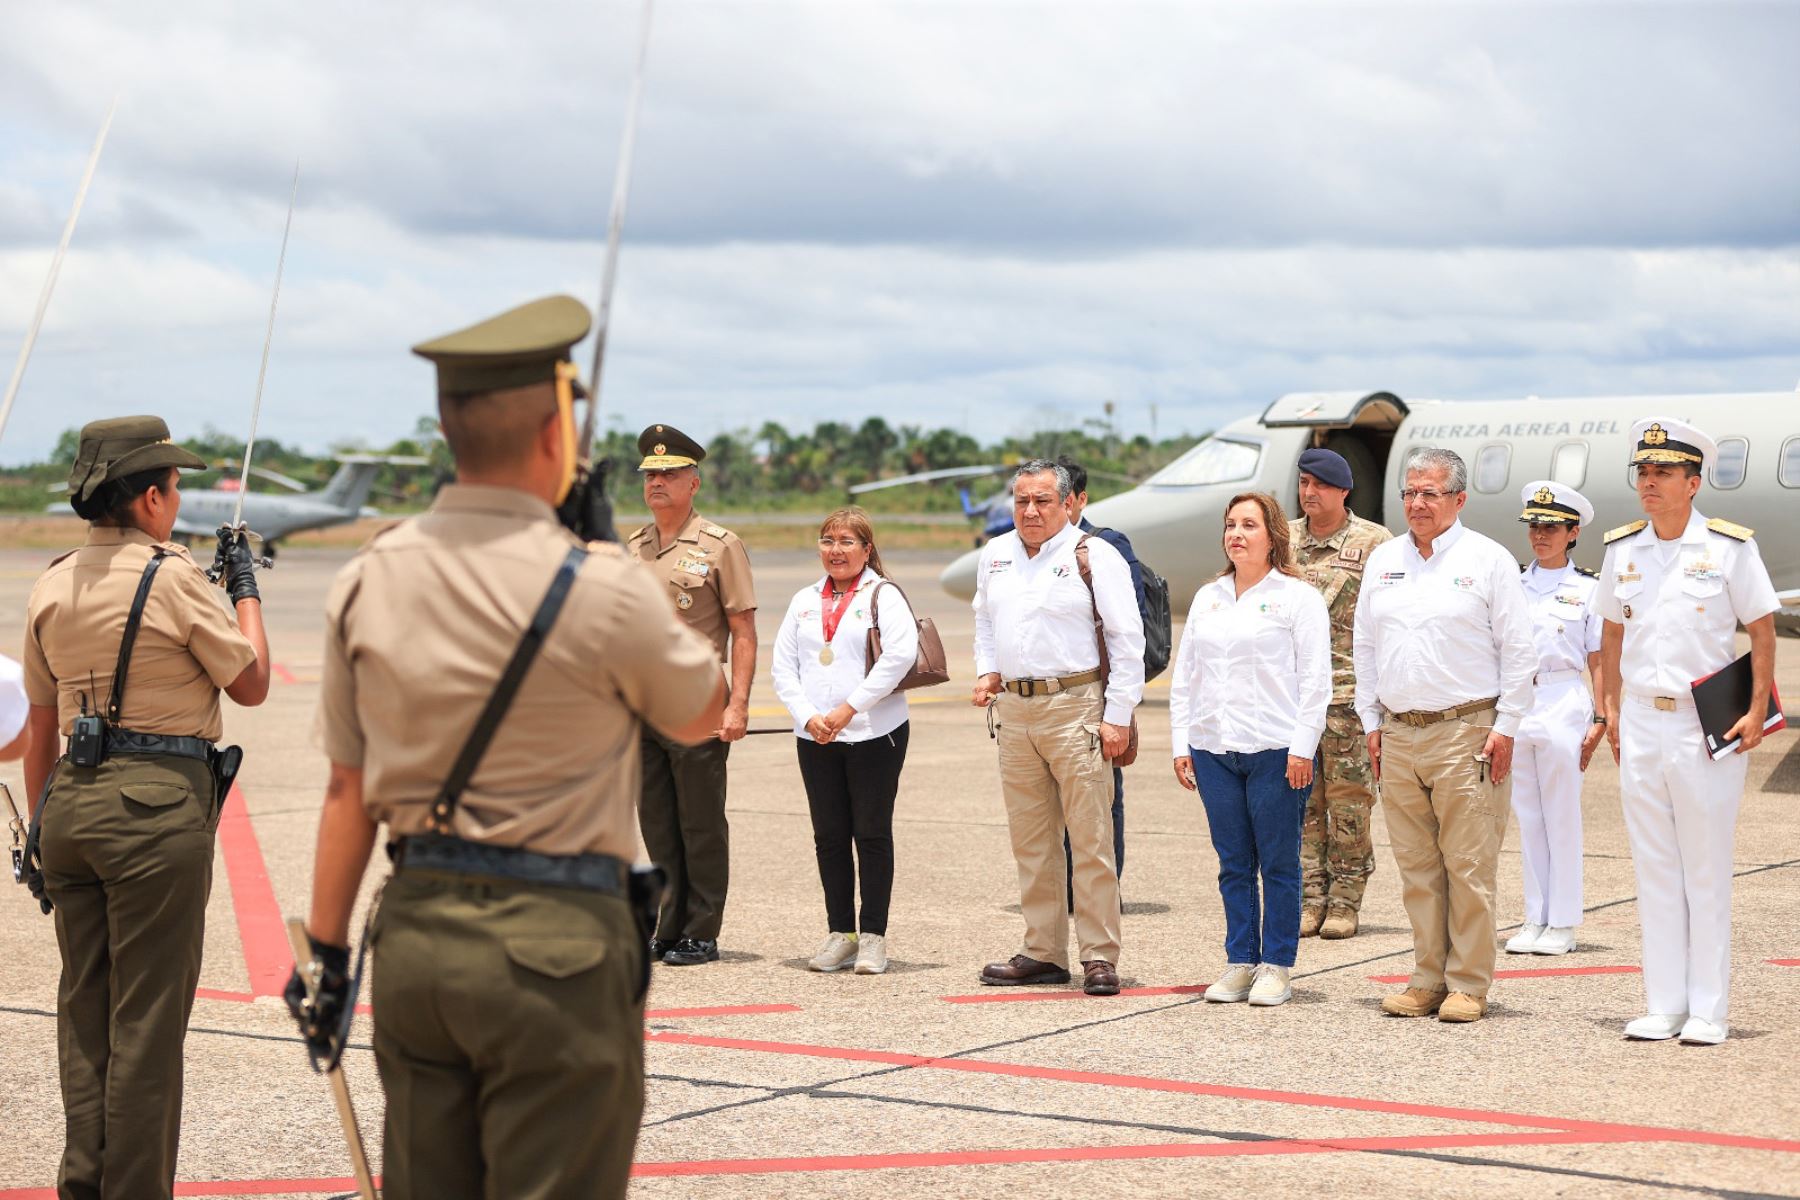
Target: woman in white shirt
1247, 700
851, 730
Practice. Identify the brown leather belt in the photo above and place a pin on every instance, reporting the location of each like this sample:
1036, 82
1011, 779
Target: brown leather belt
1049, 687
1419, 718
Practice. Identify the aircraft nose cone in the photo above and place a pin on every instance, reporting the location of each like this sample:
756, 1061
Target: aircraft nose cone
959, 577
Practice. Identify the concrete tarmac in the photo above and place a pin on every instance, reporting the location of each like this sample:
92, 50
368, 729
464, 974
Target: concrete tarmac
768, 1080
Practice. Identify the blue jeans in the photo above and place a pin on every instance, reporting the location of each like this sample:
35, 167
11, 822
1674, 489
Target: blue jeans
1255, 820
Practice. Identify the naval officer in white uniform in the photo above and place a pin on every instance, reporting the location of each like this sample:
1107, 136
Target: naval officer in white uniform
1673, 590
1558, 736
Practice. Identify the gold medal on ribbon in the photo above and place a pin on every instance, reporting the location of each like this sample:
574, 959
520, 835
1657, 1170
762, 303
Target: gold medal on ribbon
825, 656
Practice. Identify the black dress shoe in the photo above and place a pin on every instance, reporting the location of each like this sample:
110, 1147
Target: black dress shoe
691, 952
660, 947
1020, 970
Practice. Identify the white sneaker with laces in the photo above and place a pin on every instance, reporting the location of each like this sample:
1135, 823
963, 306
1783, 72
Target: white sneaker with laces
1701, 1032
1234, 985
1558, 939
1271, 986
838, 952
871, 954
1657, 1027
1524, 941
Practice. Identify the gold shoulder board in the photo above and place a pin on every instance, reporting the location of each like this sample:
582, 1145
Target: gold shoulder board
1613, 535
1588, 571
711, 530
1730, 529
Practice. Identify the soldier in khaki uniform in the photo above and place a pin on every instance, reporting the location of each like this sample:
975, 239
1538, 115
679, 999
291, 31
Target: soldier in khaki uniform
1331, 546
126, 843
508, 966
706, 574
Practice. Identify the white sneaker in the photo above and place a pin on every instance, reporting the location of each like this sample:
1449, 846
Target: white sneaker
1701, 1032
838, 952
871, 954
1558, 939
1271, 987
1524, 941
1657, 1027
1234, 985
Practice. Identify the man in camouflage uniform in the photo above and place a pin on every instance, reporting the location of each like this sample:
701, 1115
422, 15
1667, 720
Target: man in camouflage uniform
1331, 544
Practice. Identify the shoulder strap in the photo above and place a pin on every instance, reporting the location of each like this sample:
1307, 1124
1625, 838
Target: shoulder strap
116, 701
444, 807
1085, 566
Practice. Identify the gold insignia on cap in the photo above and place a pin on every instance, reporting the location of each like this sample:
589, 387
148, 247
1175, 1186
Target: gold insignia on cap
659, 429
1544, 496
659, 448
1656, 435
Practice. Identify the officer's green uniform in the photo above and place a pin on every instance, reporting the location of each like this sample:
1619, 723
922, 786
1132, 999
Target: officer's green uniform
1337, 855
706, 575
508, 1017
127, 846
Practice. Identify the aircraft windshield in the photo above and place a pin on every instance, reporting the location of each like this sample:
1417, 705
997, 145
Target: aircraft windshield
1215, 460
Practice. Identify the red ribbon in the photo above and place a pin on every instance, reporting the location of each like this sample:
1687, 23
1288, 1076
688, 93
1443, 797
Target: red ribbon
832, 617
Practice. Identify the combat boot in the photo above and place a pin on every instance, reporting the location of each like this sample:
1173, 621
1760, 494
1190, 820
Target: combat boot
1311, 914
1340, 922
1460, 1008
1414, 1002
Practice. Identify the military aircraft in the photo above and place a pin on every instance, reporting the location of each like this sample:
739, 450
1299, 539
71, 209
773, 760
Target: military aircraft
275, 516
1174, 518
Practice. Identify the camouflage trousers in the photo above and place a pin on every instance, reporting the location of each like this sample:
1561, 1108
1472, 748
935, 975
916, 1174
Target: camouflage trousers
1337, 855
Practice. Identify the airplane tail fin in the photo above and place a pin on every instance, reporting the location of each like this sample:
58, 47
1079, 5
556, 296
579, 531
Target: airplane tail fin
349, 488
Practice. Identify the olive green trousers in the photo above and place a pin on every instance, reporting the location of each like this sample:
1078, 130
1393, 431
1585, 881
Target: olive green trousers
682, 817
127, 850
509, 1038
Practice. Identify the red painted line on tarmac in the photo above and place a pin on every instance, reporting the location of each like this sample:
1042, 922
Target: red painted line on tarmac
282, 673
964, 1158
1533, 973
723, 1010
1783, 962
261, 931
1000, 996
1604, 1129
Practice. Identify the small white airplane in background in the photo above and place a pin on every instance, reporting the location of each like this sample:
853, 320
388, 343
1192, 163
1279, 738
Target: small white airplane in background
1175, 518
275, 516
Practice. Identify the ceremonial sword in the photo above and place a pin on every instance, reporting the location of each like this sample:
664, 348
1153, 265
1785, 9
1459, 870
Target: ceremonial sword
56, 262
310, 969
237, 517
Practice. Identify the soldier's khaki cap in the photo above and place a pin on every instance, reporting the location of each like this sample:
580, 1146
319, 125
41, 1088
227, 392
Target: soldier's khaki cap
121, 446
521, 346
666, 448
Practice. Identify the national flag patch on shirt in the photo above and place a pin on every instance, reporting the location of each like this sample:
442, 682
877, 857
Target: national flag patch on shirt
1390, 578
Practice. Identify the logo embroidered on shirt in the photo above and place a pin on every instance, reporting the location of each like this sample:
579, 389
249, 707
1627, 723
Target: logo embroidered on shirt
1061, 572
1465, 582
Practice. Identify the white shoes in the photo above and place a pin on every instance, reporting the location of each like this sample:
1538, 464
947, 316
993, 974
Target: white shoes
1524, 941
1701, 1032
1658, 1027
871, 954
1234, 985
1557, 939
838, 952
1271, 986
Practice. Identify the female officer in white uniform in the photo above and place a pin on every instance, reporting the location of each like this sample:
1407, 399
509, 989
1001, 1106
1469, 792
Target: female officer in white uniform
1558, 735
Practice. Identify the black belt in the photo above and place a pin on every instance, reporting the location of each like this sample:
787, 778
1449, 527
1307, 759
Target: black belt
124, 741
436, 852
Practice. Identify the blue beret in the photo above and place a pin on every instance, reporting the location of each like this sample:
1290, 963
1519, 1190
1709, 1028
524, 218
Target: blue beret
1328, 467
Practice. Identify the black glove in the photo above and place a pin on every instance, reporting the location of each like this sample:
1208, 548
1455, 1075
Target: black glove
34, 882
320, 1021
238, 563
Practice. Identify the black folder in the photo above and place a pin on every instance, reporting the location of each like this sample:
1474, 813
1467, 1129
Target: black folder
1721, 700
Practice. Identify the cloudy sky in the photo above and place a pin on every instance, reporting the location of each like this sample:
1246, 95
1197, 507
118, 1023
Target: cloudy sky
993, 216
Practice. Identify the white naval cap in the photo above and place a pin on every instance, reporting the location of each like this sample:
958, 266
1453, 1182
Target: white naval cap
1666, 440
1550, 503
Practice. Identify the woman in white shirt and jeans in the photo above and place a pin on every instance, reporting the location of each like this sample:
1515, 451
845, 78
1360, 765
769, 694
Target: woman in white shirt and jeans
851, 730
1247, 702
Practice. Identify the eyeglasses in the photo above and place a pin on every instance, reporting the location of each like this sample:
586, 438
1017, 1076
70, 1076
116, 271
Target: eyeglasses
826, 543
1429, 495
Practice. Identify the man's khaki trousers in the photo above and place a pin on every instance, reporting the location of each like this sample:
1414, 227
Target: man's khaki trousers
1445, 822
1054, 777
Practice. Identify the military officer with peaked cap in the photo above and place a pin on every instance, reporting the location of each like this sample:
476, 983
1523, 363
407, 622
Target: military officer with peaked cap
509, 969
1558, 735
706, 575
125, 820
1673, 590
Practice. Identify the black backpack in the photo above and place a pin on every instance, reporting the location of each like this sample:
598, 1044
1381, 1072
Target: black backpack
1158, 633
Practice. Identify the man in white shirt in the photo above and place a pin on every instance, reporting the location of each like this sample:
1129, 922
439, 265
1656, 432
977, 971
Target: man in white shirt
1444, 660
1062, 705
1673, 590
